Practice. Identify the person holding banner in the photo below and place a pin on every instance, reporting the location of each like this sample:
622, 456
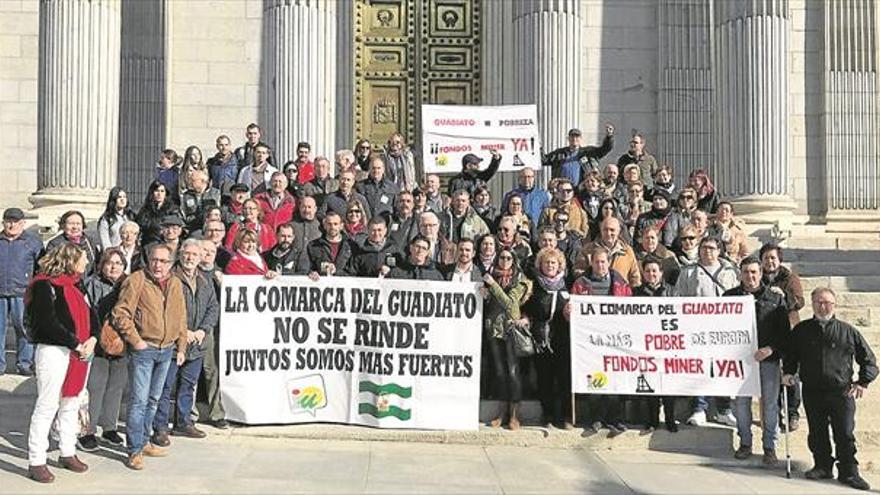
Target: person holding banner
821, 350
709, 276
329, 254
601, 279
575, 160
377, 254
773, 332
550, 331
655, 286
284, 257
507, 287
464, 269
471, 176
418, 266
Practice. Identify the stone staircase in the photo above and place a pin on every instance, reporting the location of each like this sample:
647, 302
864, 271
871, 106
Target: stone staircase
849, 263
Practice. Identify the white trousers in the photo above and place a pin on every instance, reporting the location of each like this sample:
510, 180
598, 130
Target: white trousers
50, 363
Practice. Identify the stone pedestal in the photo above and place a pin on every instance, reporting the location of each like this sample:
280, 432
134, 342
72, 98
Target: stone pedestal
751, 106
300, 57
78, 108
547, 44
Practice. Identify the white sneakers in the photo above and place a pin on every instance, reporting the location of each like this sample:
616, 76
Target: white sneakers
697, 419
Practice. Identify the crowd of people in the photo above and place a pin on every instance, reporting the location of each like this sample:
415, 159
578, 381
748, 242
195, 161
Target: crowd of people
150, 280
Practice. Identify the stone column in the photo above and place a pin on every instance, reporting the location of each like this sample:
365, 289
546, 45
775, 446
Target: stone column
78, 109
751, 106
497, 52
850, 117
300, 51
547, 51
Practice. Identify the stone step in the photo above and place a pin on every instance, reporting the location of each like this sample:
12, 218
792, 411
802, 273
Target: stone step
798, 256
832, 241
838, 268
852, 283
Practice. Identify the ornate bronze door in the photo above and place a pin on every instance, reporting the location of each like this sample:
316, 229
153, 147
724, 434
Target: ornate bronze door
409, 52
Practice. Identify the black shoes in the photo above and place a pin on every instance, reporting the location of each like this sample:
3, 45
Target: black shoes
818, 473
112, 437
88, 443
855, 481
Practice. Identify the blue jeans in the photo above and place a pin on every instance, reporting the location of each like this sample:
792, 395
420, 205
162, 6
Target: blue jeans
701, 403
188, 375
12, 311
771, 378
146, 377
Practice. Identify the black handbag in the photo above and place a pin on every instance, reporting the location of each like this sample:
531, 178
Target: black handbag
523, 345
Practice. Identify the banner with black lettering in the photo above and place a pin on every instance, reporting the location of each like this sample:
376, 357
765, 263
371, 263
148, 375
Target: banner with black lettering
449, 132
664, 346
376, 352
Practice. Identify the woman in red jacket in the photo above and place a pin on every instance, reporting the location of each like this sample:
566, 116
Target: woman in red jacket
253, 220
246, 259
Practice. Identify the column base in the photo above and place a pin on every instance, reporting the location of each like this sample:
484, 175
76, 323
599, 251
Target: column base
843, 221
763, 208
50, 204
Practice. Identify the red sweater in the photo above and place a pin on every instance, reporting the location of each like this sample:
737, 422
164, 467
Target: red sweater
239, 265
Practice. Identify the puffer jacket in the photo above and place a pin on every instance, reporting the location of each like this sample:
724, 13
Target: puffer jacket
18, 257
146, 312
202, 309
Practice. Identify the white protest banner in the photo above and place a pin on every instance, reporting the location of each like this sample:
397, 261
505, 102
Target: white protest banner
451, 131
376, 352
664, 346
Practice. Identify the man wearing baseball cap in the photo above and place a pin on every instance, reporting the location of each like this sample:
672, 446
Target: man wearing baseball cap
575, 160
471, 176
19, 251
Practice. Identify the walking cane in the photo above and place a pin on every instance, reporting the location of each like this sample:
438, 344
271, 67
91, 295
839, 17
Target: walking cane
785, 426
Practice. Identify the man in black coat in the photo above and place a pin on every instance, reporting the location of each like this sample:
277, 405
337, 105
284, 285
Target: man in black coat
329, 254
377, 254
821, 350
771, 316
471, 176
284, 257
418, 266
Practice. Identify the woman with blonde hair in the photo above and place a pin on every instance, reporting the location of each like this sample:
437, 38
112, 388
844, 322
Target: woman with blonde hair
65, 329
253, 220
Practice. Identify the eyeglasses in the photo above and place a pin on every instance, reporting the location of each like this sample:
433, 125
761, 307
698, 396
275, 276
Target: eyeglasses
364, 147
354, 211
687, 196
688, 238
420, 247
506, 258
291, 171
566, 190
160, 261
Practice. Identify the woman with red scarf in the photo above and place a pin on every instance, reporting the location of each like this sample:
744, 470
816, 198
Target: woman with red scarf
247, 259
253, 220
355, 222
65, 329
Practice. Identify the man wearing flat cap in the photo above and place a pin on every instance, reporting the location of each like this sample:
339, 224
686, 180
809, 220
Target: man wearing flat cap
19, 251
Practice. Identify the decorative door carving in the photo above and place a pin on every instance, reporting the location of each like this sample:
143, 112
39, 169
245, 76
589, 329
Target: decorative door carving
409, 52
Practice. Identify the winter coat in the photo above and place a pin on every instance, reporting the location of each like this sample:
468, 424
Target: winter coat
407, 271
503, 305
380, 195
18, 257
108, 235
145, 312
149, 218
102, 294
338, 203
319, 189
472, 226
587, 156
622, 257
700, 281
265, 232
239, 265
192, 206
657, 219
822, 354
245, 176
469, 180
646, 162
400, 170
49, 318
367, 259
790, 284
319, 252
584, 286
304, 232
534, 201
293, 262
577, 217
771, 317
402, 231
202, 310
273, 217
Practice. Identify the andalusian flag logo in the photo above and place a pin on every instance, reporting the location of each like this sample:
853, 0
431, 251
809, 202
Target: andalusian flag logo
379, 404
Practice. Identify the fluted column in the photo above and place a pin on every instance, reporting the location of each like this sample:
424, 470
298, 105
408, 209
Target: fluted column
751, 104
497, 53
301, 82
547, 54
851, 114
78, 109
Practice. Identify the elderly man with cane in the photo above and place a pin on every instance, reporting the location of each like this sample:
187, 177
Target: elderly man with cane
821, 350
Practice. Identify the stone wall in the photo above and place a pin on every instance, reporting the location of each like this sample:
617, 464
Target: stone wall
19, 50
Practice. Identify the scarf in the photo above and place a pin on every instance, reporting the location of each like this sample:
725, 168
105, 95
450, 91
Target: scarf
77, 369
487, 261
354, 228
552, 283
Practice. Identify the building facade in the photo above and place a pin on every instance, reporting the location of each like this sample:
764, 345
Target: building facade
777, 99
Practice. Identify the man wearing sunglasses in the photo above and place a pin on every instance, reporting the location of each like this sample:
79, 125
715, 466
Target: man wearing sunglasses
564, 201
